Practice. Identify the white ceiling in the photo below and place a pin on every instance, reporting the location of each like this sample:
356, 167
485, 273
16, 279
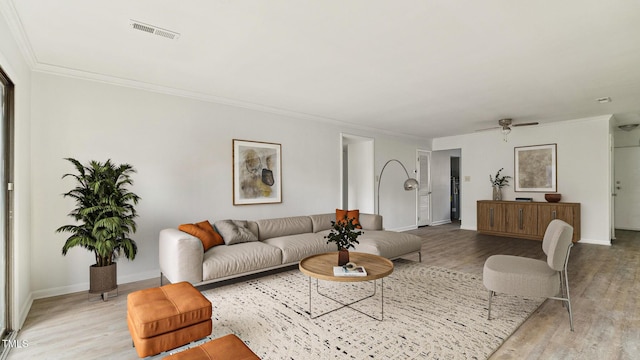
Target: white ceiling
422, 67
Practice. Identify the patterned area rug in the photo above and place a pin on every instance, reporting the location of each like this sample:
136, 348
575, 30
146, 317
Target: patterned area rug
429, 313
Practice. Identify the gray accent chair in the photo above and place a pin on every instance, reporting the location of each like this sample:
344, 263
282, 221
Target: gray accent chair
521, 276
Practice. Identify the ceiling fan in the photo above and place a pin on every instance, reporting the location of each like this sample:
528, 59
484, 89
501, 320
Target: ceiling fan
505, 126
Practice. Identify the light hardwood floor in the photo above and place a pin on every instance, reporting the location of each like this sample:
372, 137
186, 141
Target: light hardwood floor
604, 284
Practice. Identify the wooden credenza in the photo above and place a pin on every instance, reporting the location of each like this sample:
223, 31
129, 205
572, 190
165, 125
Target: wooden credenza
527, 220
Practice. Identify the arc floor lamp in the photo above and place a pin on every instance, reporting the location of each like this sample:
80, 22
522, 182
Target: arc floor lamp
409, 184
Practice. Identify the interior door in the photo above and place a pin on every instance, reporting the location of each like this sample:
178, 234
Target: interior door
424, 190
627, 178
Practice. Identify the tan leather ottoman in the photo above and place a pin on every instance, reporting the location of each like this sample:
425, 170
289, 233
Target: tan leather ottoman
167, 317
228, 347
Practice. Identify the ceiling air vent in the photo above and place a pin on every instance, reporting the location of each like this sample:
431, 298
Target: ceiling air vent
152, 29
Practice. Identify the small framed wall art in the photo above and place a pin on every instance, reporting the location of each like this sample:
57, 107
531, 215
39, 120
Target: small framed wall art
536, 168
257, 172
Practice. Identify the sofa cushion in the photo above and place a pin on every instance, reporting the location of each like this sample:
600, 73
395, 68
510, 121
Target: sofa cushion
296, 247
222, 261
388, 244
322, 222
235, 231
203, 231
271, 228
371, 221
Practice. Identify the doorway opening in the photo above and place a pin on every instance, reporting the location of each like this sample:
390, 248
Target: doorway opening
626, 176
357, 173
455, 189
424, 189
446, 198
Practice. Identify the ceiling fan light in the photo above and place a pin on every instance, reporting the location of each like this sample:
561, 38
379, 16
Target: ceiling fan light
628, 127
506, 130
505, 122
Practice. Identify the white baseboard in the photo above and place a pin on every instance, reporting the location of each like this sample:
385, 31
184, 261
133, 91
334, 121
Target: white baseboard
405, 228
440, 222
581, 241
63, 290
595, 242
630, 228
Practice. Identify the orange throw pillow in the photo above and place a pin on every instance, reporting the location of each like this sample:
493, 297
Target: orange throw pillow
205, 232
350, 214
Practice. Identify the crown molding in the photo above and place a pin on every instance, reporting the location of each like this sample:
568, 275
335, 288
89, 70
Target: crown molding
135, 84
8, 10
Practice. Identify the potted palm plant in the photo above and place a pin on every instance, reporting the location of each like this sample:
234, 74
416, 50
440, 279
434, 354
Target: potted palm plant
345, 234
105, 216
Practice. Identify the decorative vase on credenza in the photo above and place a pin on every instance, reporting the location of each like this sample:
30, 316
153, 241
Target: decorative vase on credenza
553, 198
497, 193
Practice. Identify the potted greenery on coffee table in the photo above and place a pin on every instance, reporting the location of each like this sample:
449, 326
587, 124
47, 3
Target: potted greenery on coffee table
345, 234
105, 215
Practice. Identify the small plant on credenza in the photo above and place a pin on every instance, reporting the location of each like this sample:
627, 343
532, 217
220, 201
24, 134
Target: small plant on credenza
498, 183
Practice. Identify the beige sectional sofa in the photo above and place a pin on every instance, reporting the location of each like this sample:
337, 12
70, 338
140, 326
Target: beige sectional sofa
280, 242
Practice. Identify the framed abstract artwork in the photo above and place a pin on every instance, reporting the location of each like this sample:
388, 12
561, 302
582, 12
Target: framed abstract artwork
257, 172
536, 168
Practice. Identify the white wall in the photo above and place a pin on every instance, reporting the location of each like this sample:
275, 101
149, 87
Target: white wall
17, 69
397, 206
583, 168
182, 151
627, 138
360, 164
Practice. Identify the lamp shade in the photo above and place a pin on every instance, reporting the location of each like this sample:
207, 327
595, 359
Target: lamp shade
410, 184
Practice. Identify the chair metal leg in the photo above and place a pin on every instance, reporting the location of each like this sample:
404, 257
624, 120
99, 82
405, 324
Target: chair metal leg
564, 285
566, 291
489, 312
562, 288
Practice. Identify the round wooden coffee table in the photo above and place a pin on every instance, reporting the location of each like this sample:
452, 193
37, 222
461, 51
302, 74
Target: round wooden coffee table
320, 267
